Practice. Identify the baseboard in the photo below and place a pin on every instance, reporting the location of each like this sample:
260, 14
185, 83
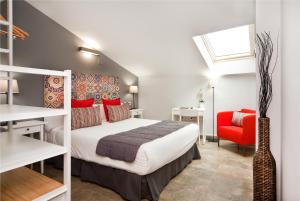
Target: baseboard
211, 139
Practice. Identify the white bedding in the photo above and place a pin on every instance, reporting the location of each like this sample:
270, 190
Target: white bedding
150, 157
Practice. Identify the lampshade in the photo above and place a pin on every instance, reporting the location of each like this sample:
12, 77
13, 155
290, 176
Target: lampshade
133, 89
212, 83
4, 86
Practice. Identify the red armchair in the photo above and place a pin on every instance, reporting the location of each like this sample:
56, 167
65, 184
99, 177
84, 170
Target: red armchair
244, 135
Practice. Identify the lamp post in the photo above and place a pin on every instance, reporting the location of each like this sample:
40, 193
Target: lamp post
212, 84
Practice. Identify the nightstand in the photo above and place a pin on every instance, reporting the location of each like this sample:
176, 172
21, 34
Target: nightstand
136, 113
29, 127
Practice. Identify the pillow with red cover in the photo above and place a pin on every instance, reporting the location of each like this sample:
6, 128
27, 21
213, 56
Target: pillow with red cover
106, 102
82, 103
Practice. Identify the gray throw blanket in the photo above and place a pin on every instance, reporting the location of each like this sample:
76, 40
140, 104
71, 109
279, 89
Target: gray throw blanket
125, 145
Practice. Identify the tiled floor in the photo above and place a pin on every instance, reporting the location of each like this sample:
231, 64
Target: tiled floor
223, 174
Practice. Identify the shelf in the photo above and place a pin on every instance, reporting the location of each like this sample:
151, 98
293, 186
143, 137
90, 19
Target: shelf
17, 151
5, 78
20, 112
23, 184
36, 71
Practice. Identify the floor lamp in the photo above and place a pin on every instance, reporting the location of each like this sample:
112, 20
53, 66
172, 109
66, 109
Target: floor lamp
212, 84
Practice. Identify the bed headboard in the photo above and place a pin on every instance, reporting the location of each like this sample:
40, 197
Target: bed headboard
84, 86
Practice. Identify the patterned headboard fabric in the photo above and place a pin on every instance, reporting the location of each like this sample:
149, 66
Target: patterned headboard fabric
84, 86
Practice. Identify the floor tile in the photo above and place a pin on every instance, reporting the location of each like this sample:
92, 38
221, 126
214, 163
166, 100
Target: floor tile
222, 174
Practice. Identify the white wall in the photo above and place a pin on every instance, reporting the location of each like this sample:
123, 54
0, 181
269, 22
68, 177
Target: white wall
290, 101
158, 94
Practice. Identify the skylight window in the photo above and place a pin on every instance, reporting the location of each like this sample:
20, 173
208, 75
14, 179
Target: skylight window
234, 43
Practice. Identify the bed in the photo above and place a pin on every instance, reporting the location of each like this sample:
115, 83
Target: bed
155, 162
147, 175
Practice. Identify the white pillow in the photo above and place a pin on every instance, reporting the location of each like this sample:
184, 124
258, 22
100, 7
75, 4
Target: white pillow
237, 118
53, 122
102, 113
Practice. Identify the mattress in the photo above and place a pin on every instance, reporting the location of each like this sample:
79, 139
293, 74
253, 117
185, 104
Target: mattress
150, 157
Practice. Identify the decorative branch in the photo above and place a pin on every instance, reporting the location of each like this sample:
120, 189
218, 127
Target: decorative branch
264, 57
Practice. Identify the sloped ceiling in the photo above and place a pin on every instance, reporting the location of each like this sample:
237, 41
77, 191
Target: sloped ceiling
149, 37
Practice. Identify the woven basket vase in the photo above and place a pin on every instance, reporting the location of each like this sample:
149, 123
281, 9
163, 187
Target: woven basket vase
264, 166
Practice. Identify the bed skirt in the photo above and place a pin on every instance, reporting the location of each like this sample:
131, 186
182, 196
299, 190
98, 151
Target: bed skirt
128, 185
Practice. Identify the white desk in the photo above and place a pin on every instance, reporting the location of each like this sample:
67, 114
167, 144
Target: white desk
191, 112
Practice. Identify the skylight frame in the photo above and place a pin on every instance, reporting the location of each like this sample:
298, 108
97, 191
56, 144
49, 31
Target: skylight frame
229, 57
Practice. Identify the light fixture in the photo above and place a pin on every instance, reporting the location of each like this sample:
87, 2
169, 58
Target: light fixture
133, 89
89, 51
212, 84
90, 43
4, 86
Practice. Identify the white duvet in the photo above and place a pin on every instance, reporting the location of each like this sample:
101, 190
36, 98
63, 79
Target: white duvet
150, 157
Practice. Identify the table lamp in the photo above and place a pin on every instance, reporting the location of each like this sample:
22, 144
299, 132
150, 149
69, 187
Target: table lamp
4, 86
133, 89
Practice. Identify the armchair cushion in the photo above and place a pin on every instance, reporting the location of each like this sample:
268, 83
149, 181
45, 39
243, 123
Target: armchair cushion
232, 133
238, 117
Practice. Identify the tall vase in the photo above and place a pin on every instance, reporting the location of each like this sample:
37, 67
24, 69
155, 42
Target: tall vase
264, 166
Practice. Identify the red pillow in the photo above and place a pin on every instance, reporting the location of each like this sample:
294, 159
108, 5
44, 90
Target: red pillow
110, 102
82, 103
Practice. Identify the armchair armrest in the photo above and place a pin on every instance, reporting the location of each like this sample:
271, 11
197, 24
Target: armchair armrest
249, 129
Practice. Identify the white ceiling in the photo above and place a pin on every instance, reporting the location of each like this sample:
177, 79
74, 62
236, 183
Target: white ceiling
149, 37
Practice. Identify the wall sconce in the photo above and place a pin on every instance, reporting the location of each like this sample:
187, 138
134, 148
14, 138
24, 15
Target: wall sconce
89, 51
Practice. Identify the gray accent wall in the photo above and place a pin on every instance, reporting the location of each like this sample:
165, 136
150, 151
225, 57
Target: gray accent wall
51, 46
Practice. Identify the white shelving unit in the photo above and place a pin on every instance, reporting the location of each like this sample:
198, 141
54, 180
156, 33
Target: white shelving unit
17, 151
21, 112
18, 182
